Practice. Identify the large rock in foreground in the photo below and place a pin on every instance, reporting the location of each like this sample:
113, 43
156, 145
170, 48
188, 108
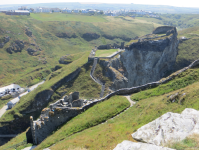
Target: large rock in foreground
169, 128
128, 145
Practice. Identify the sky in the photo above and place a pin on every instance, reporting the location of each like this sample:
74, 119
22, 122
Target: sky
178, 3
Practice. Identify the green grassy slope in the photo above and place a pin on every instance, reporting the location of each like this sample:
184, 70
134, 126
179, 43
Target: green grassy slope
66, 17
108, 135
187, 50
84, 84
105, 53
28, 99
26, 70
91, 117
57, 35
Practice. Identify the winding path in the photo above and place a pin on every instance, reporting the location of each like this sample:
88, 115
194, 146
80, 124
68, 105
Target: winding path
128, 97
96, 80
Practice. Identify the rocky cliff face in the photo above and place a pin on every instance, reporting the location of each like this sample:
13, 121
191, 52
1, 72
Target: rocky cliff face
145, 61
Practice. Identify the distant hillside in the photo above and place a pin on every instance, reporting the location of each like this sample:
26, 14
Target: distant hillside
103, 6
55, 35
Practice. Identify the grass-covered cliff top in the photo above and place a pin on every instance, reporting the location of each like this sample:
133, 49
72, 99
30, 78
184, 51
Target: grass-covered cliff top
151, 37
105, 52
188, 49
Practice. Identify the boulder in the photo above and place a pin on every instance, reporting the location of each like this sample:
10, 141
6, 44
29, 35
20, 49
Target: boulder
31, 51
65, 59
169, 128
3, 41
28, 33
128, 145
1, 45
17, 46
6, 39
66, 35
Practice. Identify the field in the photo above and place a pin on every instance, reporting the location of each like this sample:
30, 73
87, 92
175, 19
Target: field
105, 53
66, 17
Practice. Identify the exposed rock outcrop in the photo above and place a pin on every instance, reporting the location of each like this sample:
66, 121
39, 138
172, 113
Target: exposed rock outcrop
110, 37
169, 128
162, 29
90, 36
17, 46
66, 35
145, 61
65, 59
1, 45
31, 51
4, 41
28, 33
128, 145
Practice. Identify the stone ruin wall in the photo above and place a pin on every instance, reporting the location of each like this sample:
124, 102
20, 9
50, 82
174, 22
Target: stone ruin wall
57, 115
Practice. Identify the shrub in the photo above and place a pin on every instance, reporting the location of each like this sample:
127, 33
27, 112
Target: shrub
51, 113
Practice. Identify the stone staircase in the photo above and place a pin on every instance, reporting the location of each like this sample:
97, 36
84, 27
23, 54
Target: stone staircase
96, 80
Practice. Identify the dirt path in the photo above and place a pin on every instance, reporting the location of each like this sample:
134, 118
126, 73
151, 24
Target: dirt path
3, 110
129, 99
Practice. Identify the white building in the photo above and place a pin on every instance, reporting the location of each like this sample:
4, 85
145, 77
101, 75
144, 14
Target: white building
9, 89
84, 11
76, 11
46, 10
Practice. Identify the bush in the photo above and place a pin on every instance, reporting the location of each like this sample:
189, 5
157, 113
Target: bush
6, 97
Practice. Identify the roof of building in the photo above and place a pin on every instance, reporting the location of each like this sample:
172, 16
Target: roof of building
22, 11
15, 100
